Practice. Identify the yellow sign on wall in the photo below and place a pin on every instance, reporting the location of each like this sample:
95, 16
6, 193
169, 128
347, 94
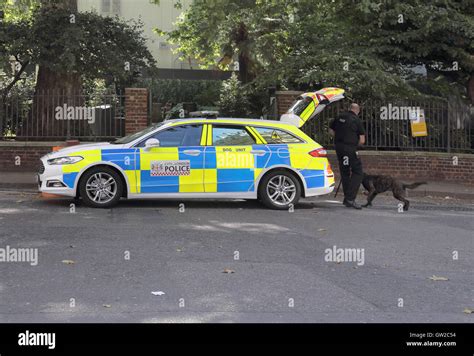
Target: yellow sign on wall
418, 123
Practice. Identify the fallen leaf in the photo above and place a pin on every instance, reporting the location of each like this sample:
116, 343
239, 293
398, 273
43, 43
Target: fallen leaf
158, 293
227, 270
68, 262
437, 278
468, 311
107, 306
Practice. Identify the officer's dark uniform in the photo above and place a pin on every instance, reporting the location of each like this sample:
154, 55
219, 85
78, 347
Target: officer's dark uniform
348, 128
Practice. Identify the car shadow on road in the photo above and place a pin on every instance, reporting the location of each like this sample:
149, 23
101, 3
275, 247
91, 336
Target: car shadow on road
191, 203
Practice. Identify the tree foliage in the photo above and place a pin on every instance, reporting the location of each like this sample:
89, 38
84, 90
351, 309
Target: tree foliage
85, 43
369, 47
233, 100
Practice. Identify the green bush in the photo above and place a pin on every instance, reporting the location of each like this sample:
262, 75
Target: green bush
233, 101
201, 92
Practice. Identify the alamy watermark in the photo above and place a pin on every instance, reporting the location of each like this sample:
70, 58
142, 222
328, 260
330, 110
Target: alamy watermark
13, 254
29, 338
394, 112
67, 112
338, 255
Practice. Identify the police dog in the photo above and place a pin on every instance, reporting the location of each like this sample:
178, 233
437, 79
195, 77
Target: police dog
376, 184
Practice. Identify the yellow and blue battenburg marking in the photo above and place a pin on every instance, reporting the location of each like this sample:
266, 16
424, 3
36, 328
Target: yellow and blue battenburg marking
209, 169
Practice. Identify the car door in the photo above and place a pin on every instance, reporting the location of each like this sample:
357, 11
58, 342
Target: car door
229, 159
176, 166
286, 149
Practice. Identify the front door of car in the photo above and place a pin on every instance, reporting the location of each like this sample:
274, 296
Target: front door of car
176, 165
230, 159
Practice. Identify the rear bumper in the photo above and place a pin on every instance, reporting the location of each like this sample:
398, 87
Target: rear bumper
311, 192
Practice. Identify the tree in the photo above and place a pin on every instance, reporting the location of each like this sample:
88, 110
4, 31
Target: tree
366, 46
326, 49
69, 47
233, 100
437, 34
235, 35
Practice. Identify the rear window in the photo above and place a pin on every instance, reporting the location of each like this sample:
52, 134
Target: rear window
300, 105
273, 136
231, 136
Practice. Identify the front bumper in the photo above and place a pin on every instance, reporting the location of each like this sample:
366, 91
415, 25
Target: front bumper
48, 173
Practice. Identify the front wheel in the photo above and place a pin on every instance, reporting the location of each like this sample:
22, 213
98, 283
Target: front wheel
279, 190
101, 187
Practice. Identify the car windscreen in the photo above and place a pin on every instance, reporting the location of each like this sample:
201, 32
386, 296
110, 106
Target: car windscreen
134, 136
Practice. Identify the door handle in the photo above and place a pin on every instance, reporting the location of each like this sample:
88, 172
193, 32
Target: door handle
258, 152
192, 152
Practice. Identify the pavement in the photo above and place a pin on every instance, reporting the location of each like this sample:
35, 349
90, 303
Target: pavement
235, 261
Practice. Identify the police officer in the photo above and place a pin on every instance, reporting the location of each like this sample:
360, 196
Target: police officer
348, 133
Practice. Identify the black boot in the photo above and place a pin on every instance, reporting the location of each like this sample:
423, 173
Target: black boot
353, 204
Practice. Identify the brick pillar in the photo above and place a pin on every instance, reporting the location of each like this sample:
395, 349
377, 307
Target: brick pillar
285, 99
136, 109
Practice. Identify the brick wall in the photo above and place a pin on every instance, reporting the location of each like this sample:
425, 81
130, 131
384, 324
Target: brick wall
406, 165
136, 109
29, 154
416, 165
285, 99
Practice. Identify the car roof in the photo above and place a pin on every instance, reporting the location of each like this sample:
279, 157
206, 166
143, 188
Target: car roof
227, 120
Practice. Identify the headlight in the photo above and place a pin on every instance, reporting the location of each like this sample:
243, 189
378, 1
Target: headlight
65, 160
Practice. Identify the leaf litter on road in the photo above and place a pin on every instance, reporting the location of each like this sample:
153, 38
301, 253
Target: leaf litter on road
438, 278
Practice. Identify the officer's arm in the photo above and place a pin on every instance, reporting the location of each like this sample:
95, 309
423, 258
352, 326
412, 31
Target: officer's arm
332, 126
361, 132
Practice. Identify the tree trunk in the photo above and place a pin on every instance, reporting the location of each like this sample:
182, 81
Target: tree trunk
55, 90
470, 88
241, 38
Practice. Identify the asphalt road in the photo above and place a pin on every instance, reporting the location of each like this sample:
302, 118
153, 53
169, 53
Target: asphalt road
277, 262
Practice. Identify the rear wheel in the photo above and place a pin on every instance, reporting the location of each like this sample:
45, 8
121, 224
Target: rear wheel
101, 187
279, 189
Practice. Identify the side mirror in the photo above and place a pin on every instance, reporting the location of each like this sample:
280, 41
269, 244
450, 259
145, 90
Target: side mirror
152, 142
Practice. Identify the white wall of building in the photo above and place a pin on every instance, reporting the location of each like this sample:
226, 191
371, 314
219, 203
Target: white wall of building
161, 16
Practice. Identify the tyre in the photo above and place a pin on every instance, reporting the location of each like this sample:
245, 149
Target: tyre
279, 189
101, 187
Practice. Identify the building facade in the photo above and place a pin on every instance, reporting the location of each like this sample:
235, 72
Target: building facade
162, 16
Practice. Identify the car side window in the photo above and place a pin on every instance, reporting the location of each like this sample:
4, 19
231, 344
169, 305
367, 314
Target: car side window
274, 136
186, 135
231, 136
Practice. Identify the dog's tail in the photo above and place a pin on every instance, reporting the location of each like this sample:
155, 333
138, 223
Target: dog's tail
413, 185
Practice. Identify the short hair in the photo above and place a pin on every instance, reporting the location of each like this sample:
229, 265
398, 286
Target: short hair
354, 106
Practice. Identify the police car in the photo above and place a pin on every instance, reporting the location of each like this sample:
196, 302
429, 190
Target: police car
273, 161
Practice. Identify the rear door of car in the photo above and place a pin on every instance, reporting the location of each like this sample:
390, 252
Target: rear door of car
230, 159
287, 149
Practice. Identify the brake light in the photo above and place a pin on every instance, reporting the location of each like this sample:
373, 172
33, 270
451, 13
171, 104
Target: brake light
319, 152
329, 170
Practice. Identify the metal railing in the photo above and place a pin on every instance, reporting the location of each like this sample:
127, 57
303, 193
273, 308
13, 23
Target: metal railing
450, 127
52, 115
